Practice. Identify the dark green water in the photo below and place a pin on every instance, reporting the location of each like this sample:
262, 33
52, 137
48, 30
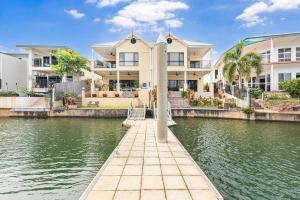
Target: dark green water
245, 160
53, 158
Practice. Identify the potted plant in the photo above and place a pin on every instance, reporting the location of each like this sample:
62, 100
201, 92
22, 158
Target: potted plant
206, 87
104, 95
117, 94
94, 95
136, 95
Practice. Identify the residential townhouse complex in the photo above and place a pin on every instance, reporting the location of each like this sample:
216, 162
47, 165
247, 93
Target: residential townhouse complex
280, 59
127, 66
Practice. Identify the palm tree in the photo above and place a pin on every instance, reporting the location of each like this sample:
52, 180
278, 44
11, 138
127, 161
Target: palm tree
235, 62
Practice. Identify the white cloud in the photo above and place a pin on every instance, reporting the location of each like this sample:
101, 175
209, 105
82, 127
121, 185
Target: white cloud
75, 13
148, 15
252, 15
106, 3
173, 23
97, 20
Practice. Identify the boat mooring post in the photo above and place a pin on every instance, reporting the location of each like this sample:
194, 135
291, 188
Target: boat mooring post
162, 99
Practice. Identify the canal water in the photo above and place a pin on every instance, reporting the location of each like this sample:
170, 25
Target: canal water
57, 158
245, 160
53, 158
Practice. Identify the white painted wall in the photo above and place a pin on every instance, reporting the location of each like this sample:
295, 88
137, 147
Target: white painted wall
289, 68
12, 70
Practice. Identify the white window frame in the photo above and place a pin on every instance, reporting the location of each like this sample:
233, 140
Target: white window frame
133, 62
298, 53
285, 78
287, 54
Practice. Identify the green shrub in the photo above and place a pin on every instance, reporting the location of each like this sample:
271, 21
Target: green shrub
60, 96
184, 94
277, 97
292, 87
248, 111
217, 102
256, 93
8, 93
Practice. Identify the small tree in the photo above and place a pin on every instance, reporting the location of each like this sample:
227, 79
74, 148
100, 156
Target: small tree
69, 62
236, 63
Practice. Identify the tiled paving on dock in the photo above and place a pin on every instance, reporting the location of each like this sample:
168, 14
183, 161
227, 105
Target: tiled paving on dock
141, 168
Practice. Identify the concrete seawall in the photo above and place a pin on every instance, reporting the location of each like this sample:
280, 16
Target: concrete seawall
230, 114
182, 112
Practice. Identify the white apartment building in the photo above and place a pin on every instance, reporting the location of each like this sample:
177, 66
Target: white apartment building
39, 74
281, 60
13, 67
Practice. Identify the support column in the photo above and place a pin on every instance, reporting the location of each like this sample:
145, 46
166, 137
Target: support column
118, 81
185, 86
29, 70
272, 66
162, 100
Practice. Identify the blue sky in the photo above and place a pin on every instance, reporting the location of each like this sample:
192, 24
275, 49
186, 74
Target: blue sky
80, 23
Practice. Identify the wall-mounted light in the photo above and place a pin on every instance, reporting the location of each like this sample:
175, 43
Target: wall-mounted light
169, 39
132, 40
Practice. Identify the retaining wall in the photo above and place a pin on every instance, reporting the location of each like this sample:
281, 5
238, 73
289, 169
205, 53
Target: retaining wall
230, 114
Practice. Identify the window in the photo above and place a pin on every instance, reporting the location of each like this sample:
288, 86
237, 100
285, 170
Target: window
297, 75
54, 60
54, 79
284, 54
41, 82
46, 61
129, 59
195, 64
37, 62
266, 56
283, 77
216, 74
69, 78
176, 59
298, 53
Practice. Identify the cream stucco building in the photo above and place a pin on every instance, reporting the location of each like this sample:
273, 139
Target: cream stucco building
280, 59
126, 66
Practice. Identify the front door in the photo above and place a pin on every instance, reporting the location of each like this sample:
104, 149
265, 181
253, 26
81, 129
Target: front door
192, 85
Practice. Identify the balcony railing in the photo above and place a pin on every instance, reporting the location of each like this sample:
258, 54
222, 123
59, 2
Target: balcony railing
279, 58
109, 65
202, 64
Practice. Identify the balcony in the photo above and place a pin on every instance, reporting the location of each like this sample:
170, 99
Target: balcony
105, 65
202, 64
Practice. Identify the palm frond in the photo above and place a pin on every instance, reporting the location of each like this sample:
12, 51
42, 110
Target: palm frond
249, 61
230, 71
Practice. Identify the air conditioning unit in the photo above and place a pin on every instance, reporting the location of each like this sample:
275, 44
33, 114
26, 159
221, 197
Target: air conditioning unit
145, 85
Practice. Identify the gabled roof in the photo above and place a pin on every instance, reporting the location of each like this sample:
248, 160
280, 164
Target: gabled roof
189, 43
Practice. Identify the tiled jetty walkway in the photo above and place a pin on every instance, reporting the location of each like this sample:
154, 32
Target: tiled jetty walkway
141, 168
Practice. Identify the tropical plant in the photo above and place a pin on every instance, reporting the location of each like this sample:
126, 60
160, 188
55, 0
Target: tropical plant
69, 62
292, 87
6, 93
256, 92
248, 111
235, 62
206, 87
184, 94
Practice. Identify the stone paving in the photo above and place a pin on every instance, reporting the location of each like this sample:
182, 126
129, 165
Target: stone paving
141, 168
